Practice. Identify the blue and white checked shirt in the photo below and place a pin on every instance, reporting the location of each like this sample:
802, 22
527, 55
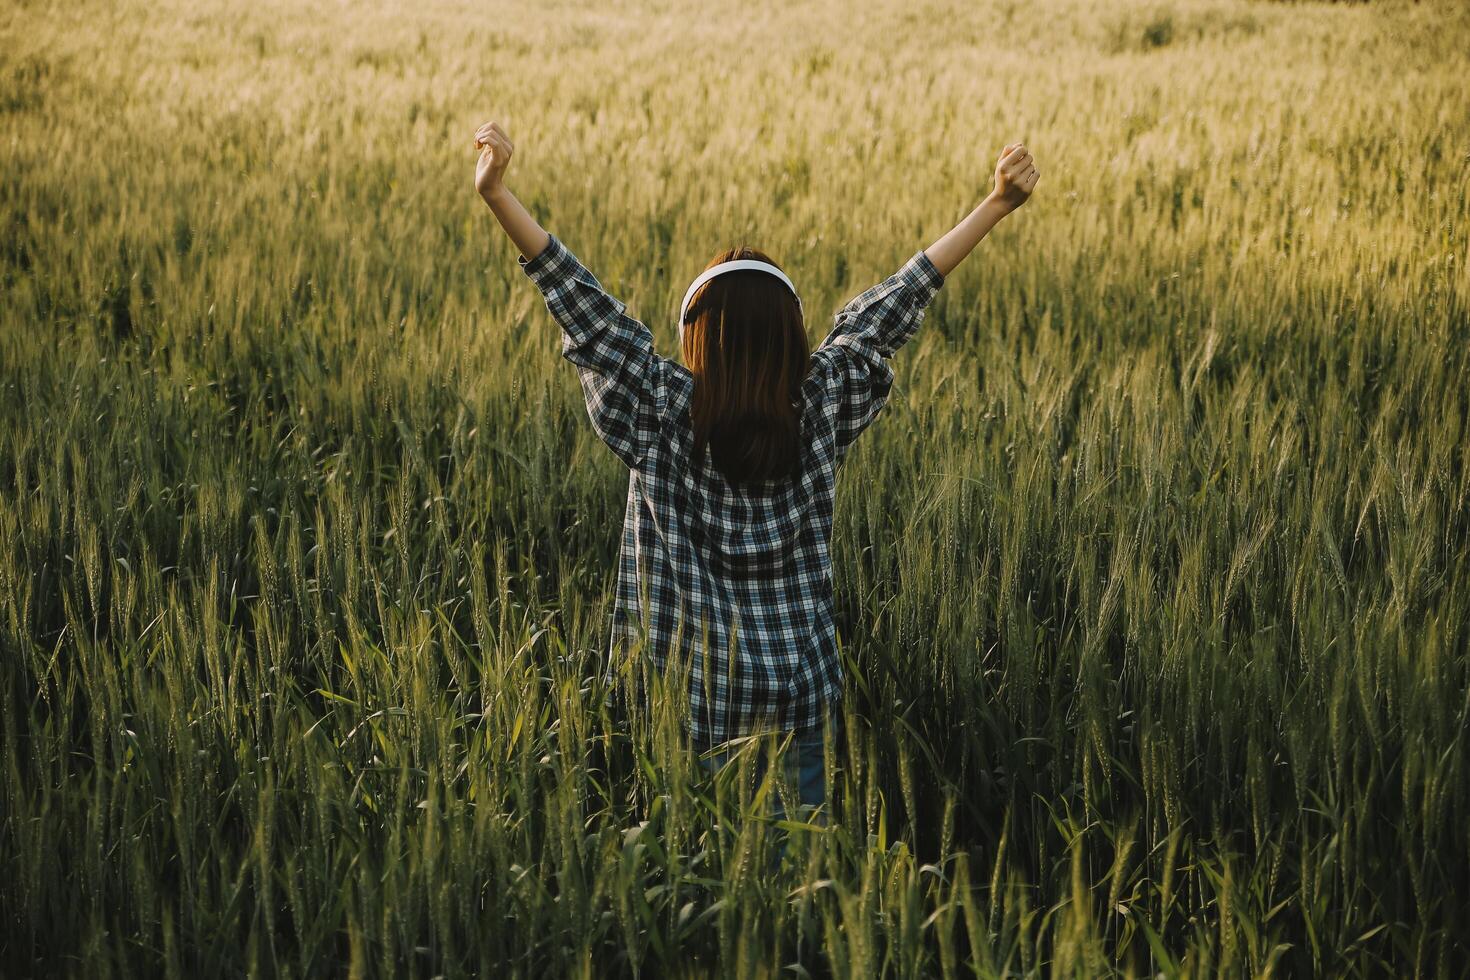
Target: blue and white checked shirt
748, 567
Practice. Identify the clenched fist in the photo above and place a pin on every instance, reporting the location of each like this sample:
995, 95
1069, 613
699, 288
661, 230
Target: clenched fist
1015, 176
495, 150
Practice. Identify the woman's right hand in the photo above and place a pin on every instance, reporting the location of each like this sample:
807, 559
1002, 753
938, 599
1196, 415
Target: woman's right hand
1015, 176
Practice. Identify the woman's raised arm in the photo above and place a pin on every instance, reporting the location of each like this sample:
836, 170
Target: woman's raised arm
1015, 177
851, 376
625, 382
495, 150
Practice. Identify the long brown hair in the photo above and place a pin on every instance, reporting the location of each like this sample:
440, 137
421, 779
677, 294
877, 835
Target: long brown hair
745, 343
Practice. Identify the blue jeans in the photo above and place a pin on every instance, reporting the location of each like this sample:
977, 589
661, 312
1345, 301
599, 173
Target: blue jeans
804, 770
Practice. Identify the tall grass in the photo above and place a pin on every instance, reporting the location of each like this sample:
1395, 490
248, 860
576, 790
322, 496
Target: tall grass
1154, 577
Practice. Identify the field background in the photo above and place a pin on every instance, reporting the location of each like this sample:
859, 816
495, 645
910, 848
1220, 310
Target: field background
1154, 576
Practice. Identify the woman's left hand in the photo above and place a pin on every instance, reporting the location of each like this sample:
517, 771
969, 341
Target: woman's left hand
495, 150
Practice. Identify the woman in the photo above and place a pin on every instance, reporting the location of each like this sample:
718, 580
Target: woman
733, 455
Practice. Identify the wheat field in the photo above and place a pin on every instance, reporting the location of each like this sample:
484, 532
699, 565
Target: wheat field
1153, 577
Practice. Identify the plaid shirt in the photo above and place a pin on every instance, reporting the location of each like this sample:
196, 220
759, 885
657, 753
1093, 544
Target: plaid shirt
740, 573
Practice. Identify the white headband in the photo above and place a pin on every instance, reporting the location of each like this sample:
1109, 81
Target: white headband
732, 266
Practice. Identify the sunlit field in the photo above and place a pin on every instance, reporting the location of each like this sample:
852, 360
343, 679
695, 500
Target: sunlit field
1153, 577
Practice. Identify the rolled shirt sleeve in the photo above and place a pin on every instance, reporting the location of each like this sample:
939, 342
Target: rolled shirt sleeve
623, 379
850, 374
